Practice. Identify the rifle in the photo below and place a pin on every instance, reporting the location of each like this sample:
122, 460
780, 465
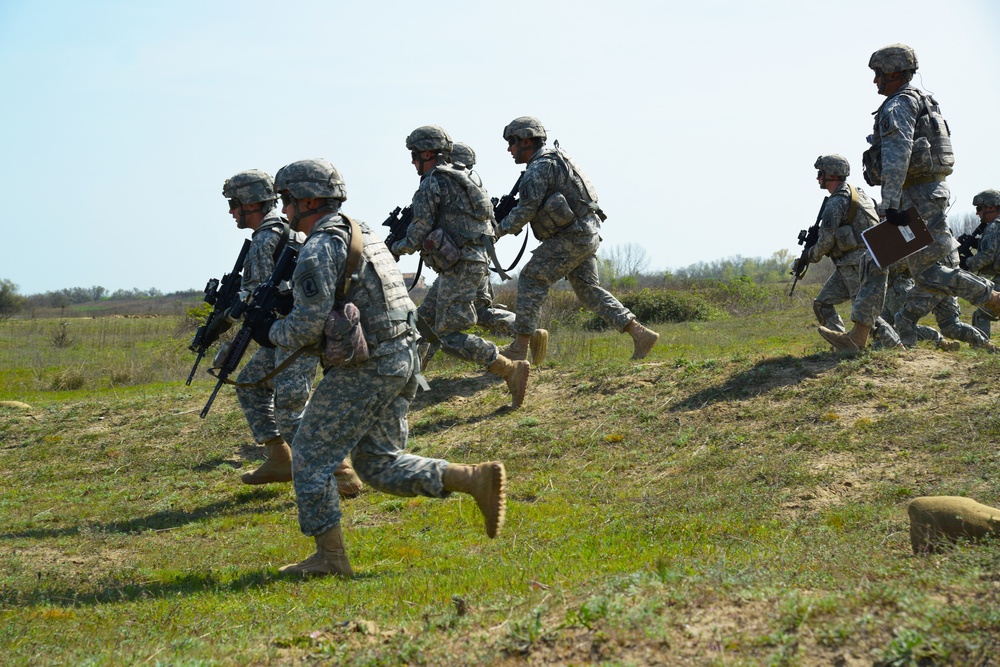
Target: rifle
261, 307
398, 222
969, 242
504, 205
223, 295
807, 239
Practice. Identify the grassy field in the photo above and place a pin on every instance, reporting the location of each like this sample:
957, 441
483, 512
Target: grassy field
736, 499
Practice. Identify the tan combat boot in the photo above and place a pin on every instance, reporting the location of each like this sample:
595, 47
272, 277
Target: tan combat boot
348, 483
277, 467
518, 349
853, 341
993, 305
538, 343
643, 339
330, 557
487, 483
516, 375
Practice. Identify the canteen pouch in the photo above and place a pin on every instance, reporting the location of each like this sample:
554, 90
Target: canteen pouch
871, 161
554, 214
845, 239
440, 251
343, 338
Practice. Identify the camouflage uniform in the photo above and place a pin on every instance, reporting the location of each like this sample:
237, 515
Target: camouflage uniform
567, 252
912, 173
856, 276
986, 260
358, 409
448, 199
899, 285
272, 409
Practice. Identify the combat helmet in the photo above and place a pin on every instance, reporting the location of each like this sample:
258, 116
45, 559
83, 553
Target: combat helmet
463, 154
833, 165
987, 198
429, 138
894, 58
250, 187
524, 127
307, 179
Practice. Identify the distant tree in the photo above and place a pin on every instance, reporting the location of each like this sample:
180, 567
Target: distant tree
97, 292
11, 301
623, 264
963, 223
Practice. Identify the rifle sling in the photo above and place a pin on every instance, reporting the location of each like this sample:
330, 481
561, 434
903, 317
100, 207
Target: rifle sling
277, 369
502, 272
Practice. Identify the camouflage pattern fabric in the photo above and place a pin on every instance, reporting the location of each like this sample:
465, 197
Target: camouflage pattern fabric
863, 283
275, 407
571, 253
899, 285
449, 308
573, 258
835, 219
260, 259
987, 257
920, 302
359, 410
443, 200
496, 320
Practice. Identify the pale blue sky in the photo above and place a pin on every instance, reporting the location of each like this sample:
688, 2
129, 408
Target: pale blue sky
698, 123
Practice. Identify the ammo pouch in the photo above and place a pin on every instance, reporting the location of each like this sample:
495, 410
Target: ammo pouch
344, 341
871, 161
554, 214
845, 239
440, 251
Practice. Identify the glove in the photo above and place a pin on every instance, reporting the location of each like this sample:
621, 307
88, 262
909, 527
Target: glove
260, 331
897, 217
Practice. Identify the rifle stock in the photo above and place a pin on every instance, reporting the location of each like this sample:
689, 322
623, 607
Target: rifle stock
223, 295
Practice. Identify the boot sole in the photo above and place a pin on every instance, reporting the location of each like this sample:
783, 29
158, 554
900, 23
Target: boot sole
494, 506
539, 346
517, 383
838, 344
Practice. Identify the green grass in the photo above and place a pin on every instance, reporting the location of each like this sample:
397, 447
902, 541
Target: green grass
738, 498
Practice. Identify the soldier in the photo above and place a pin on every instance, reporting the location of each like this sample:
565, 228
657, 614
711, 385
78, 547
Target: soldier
272, 408
452, 222
847, 213
910, 157
899, 285
987, 257
493, 317
560, 204
360, 404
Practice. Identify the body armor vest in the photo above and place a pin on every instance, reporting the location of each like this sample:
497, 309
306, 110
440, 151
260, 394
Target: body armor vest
932, 153
378, 289
466, 225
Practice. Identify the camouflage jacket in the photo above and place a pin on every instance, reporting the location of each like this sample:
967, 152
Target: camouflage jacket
987, 257
550, 172
448, 198
262, 255
839, 237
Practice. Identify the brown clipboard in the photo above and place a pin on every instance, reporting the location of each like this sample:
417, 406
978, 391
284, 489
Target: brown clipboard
890, 243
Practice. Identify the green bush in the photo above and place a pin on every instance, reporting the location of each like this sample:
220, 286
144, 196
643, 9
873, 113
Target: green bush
742, 295
653, 306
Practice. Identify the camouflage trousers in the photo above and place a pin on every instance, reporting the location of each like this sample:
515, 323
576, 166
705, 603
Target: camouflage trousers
920, 302
573, 257
450, 307
898, 287
274, 408
864, 284
495, 318
983, 320
360, 411
931, 267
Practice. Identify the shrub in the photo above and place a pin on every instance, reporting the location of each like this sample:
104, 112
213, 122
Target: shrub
653, 306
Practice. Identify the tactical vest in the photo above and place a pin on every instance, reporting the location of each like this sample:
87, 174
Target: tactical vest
859, 217
932, 153
377, 289
467, 225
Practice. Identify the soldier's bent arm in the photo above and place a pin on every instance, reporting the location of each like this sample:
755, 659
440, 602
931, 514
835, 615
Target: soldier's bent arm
321, 263
426, 205
833, 214
535, 186
897, 123
260, 260
986, 256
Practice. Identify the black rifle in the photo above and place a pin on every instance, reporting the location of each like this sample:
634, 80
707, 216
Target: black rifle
398, 222
223, 295
261, 307
807, 239
969, 242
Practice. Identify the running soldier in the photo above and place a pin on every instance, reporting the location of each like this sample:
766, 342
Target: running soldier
987, 257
